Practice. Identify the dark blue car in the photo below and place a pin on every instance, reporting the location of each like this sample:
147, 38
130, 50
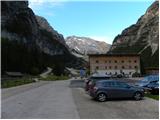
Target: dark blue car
104, 89
148, 80
154, 87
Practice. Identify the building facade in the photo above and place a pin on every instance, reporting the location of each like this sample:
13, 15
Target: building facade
114, 64
152, 71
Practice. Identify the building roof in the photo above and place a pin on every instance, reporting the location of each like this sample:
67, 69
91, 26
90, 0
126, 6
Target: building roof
16, 74
152, 68
100, 55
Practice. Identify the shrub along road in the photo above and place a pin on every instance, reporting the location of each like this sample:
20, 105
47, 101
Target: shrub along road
59, 99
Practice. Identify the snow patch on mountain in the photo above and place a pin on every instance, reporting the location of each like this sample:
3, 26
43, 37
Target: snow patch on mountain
85, 45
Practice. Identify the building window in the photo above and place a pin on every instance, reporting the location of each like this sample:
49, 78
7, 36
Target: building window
105, 67
115, 67
109, 61
129, 61
115, 61
110, 67
122, 61
97, 67
135, 67
123, 67
130, 67
135, 61
97, 61
106, 61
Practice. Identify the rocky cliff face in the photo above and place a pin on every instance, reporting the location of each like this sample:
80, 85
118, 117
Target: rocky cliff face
85, 45
43, 24
141, 38
29, 43
20, 23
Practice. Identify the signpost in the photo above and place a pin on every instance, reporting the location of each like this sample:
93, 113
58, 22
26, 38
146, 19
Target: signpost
82, 73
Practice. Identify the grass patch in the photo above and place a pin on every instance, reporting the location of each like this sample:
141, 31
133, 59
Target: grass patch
156, 97
53, 78
16, 82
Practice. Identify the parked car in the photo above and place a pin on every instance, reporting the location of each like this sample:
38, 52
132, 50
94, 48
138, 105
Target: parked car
148, 80
104, 89
117, 76
154, 87
92, 79
120, 75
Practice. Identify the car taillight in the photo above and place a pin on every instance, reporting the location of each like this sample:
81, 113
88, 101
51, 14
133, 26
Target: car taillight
86, 80
90, 83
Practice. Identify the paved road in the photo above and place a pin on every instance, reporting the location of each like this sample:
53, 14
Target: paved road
50, 100
44, 74
60, 99
8, 92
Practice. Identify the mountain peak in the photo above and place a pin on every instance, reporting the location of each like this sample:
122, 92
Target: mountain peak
86, 45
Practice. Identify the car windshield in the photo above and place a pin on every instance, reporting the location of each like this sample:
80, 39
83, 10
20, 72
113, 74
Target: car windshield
143, 81
151, 78
153, 83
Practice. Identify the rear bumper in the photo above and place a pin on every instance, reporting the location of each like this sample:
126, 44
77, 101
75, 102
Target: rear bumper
92, 94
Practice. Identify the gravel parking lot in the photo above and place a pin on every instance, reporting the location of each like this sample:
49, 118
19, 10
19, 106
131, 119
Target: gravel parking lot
114, 109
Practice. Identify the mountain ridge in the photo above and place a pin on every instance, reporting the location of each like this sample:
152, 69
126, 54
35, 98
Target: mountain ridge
30, 44
141, 38
86, 45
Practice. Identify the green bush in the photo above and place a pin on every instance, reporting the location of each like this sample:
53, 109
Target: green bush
16, 82
88, 72
34, 71
156, 97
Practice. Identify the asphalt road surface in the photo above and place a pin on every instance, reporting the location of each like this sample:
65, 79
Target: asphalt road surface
68, 100
50, 100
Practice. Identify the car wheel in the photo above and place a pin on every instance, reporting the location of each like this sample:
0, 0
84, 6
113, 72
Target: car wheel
102, 97
137, 96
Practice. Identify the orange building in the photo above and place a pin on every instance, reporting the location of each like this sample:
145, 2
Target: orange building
113, 64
